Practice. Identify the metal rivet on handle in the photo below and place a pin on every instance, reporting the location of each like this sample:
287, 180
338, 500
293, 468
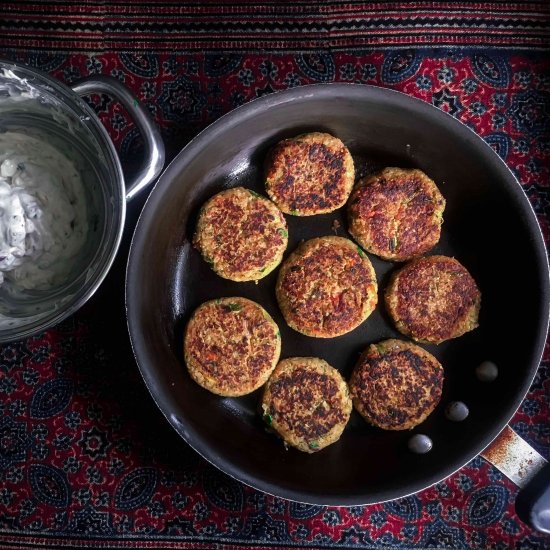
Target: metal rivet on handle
457, 411
420, 444
487, 371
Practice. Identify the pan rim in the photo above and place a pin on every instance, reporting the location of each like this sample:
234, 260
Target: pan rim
234, 117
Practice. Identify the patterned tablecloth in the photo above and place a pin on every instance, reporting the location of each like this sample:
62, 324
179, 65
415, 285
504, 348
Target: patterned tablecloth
86, 459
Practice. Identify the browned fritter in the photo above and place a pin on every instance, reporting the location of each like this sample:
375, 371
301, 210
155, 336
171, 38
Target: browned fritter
241, 234
396, 213
309, 174
326, 287
396, 385
433, 299
231, 346
306, 401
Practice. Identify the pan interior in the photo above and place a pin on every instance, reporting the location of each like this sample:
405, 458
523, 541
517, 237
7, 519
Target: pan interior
488, 226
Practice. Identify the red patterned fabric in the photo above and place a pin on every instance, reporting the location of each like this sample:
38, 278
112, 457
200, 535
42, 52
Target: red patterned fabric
86, 459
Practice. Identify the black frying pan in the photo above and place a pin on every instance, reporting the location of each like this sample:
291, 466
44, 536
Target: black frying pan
489, 226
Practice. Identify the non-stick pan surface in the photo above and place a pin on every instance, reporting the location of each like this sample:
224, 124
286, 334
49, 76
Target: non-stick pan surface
489, 226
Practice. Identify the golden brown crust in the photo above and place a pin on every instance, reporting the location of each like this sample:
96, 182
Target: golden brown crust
231, 346
396, 213
306, 401
309, 174
326, 287
433, 299
241, 234
396, 385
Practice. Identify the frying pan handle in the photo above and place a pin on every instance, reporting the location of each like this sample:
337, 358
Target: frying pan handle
154, 146
516, 459
533, 501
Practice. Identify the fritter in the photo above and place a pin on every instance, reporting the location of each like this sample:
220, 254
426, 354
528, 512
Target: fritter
433, 299
231, 346
307, 402
309, 174
396, 385
326, 287
241, 234
396, 213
